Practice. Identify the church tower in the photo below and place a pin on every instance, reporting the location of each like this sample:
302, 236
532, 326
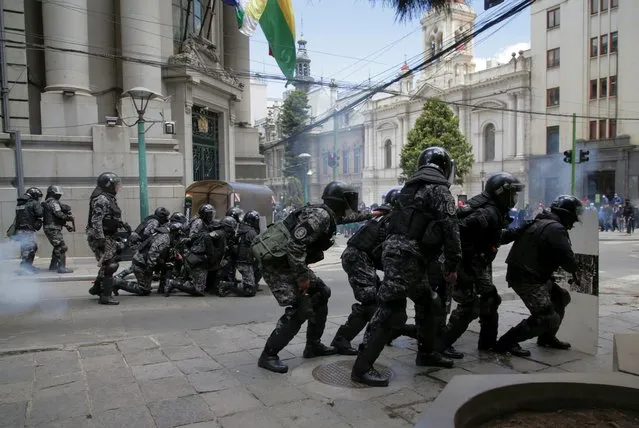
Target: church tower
441, 30
303, 67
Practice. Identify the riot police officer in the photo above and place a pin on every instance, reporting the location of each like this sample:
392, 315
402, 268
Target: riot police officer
225, 278
423, 221
285, 250
28, 221
54, 220
144, 231
252, 218
203, 221
151, 257
105, 218
481, 222
241, 261
205, 255
360, 260
540, 248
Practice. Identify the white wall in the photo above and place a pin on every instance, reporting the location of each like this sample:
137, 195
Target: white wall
259, 107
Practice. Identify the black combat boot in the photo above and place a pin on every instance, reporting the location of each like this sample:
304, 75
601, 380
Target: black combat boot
62, 265
452, 353
552, 342
509, 342
105, 295
96, 288
269, 360
318, 349
341, 344
363, 370
53, 266
315, 330
433, 359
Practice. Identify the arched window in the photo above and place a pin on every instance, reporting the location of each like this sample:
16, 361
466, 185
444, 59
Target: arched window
489, 142
388, 153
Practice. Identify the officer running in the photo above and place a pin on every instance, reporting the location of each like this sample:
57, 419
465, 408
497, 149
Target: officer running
540, 248
481, 222
54, 220
105, 218
28, 221
423, 221
285, 250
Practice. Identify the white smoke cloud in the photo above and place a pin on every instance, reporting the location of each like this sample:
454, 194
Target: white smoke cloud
24, 294
501, 57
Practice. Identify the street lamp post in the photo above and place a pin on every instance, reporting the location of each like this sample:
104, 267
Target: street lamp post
144, 95
306, 157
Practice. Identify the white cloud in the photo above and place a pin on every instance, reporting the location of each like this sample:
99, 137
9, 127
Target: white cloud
501, 57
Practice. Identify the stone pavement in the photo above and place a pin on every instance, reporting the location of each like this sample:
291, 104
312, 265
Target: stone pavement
618, 236
209, 378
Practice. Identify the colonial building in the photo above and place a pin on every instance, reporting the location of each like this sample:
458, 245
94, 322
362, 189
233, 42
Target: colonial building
584, 63
70, 65
491, 105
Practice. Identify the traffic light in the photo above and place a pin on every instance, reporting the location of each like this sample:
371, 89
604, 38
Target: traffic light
491, 3
332, 160
568, 156
583, 156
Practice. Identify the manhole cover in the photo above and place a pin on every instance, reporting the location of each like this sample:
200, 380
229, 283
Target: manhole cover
338, 373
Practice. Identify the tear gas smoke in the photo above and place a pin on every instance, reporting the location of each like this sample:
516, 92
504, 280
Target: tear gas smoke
23, 293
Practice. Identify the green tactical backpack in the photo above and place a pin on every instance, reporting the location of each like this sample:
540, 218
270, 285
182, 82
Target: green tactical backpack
271, 244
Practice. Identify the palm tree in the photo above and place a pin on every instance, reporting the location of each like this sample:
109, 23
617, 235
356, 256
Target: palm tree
408, 9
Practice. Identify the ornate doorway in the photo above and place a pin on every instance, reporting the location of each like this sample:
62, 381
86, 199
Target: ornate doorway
206, 144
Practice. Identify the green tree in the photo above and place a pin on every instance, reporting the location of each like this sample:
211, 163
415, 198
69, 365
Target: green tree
294, 115
294, 194
437, 126
408, 9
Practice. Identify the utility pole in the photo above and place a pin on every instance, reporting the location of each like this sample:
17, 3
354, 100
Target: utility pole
335, 144
6, 124
574, 153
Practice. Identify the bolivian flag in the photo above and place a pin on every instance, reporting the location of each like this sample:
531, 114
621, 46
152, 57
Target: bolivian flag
278, 24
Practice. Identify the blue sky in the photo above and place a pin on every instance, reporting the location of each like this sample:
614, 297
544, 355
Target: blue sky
339, 32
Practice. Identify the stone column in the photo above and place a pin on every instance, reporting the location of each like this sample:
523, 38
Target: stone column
512, 125
236, 59
520, 125
368, 147
67, 101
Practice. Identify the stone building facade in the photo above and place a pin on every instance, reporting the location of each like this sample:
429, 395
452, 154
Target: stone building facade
70, 65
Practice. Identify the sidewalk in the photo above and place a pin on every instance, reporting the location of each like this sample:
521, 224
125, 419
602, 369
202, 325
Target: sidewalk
209, 378
618, 236
85, 268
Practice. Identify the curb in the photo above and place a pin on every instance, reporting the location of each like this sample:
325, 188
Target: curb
53, 278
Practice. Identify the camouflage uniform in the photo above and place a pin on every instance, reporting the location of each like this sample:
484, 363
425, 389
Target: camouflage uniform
311, 234
29, 214
242, 260
147, 259
425, 201
54, 220
151, 224
104, 219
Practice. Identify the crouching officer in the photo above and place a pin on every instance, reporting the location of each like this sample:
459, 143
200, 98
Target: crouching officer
54, 220
205, 254
285, 250
105, 218
28, 221
423, 221
361, 259
242, 260
540, 248
481, 222
150, 257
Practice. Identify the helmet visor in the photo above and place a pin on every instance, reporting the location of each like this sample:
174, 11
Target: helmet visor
352, 200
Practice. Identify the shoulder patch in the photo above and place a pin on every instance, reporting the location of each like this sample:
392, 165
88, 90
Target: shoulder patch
450, 207
300, 232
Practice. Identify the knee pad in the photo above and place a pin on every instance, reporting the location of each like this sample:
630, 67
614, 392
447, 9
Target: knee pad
110, 268
396, 313
547, 320
489, 303
321, 296
63, 248
559, 294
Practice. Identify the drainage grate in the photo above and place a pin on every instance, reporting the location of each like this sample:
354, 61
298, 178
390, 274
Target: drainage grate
338, 373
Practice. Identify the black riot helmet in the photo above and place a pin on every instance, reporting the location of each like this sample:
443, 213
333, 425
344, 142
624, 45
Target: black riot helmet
175, 228
502, 188
33, 193
54, 192
438, 158
237, 213
228, 225
391, 197
109, 182
178, 217
340, 197
162, 214
252, 218
568, 208
207, 213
